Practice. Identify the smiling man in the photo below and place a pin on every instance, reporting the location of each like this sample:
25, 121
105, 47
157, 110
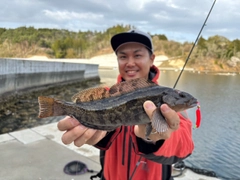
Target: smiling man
125, 152
134, 61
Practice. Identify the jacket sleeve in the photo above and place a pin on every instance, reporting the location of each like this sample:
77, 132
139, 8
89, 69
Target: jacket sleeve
177, 147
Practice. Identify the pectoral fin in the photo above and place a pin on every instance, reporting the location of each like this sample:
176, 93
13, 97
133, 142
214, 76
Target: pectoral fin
159, 124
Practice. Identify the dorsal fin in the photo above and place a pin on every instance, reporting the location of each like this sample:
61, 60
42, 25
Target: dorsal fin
91, 94
129, 86
124, 87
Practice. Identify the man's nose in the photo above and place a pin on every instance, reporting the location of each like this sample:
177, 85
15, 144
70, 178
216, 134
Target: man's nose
131, 61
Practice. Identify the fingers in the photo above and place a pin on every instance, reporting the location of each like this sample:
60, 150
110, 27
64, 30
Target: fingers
67, 123
81, 136
77, 133
72, 134
140, 130
149, 107
84, 137
171, 117
98, 135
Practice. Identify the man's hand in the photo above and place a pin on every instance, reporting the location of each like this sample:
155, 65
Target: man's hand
77, 133
170, 115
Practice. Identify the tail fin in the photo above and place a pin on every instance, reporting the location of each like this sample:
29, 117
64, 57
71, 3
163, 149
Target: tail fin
45, 106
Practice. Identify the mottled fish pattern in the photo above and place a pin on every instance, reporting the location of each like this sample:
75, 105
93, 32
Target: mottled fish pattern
121, 105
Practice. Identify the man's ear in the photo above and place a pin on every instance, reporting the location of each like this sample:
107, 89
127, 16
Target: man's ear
152, 57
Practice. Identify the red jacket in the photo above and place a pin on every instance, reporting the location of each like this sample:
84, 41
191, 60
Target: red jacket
129, 157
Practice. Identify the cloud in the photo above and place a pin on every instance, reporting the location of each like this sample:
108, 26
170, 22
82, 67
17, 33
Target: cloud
179, 20
66, 15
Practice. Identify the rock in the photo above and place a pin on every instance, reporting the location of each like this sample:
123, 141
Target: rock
5, 130
235, 59
21, 111
8, 112
231, 63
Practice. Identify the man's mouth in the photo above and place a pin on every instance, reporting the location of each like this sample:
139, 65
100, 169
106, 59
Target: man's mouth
131, 72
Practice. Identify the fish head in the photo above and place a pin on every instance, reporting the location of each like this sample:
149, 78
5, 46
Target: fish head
179, 100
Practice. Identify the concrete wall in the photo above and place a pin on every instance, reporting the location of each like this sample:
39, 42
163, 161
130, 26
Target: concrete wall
20, 74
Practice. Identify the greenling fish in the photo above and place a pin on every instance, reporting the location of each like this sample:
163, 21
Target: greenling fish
121, 105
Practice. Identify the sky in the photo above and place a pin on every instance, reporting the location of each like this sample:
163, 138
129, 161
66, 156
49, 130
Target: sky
179, 20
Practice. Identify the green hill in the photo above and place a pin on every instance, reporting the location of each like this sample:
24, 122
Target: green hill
216, 53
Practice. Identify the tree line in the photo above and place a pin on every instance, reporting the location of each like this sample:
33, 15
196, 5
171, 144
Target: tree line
61, 43
56, 43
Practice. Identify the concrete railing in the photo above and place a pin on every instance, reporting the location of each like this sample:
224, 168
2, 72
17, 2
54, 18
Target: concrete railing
19, 74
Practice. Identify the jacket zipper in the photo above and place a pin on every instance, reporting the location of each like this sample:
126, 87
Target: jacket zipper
124, 142
129, 156
129, 149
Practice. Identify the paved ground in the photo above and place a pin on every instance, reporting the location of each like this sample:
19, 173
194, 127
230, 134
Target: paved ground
39, 154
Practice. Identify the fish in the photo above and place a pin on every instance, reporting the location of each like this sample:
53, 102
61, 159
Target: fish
120, 105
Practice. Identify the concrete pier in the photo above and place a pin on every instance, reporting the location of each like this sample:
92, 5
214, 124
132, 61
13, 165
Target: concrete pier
20, 74
38, 153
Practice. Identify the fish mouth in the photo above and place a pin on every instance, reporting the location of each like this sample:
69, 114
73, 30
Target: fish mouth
194, 103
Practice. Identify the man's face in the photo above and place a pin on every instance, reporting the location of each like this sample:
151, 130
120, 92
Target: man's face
134, 61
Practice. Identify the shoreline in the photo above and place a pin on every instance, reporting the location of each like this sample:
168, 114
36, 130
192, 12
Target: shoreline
109, 61
223, 73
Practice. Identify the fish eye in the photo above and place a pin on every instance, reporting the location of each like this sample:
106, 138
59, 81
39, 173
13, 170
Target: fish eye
182, 95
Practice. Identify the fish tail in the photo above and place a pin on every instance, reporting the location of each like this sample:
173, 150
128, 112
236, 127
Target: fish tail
159, 124
46, 106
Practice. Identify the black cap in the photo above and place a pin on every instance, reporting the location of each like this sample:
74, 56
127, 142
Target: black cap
132, 36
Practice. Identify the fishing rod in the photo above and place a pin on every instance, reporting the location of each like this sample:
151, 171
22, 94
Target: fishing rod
198, 110
188, 57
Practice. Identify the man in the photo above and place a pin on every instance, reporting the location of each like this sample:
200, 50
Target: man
128, 155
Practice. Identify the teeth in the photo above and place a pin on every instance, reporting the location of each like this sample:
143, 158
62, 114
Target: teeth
131, 72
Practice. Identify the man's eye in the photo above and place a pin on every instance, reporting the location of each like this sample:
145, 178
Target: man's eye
122, 57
